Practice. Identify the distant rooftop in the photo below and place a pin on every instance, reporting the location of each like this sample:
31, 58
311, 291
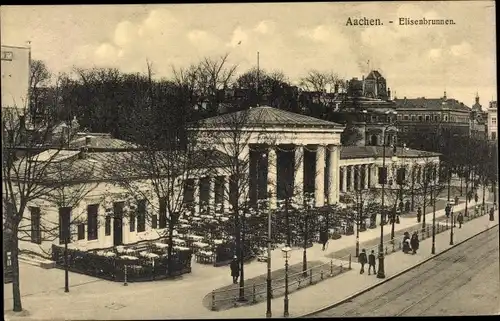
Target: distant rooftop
431, 103
348, 152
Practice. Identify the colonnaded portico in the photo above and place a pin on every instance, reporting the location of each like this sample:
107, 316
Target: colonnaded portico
284, 154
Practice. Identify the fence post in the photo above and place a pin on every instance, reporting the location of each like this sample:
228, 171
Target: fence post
125, 279
331, 267
350, 260
311, 277
254, 300
321, 274
428, 231
213, 300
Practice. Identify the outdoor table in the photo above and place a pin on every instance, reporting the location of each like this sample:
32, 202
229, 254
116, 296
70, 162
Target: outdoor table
128, 257
161, 245
179, 242
194, 237
149, 255
200, 245
181, 248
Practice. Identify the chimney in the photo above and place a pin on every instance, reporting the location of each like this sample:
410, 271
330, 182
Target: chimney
389, 93
88, 140
336, 88
83, 153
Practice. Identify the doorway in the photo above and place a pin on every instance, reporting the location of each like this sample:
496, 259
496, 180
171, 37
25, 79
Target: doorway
118, 223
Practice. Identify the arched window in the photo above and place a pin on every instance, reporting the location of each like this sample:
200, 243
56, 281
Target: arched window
373, 140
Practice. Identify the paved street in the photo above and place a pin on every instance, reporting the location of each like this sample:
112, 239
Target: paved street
462, 281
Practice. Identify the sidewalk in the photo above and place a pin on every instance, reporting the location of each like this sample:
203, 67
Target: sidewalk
182, 297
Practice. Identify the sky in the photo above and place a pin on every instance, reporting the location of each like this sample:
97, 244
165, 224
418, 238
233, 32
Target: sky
417, 61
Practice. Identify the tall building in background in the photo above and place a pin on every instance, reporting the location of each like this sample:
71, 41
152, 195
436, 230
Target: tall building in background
15, 76
492, 121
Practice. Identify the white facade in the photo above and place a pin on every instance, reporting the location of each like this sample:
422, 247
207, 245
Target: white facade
493, 121
15, 76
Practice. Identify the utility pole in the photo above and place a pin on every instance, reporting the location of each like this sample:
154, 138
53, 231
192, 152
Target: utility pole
258, 78
269, 286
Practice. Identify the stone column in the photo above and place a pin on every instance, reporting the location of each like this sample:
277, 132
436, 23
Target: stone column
196, 194
344, 179
333, 175
272, 177
226, 193
319, 181
367, 171
211, 194
353, 168
298, 184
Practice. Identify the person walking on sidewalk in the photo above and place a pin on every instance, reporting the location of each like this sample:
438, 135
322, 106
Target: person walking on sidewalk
419, 214
371, 262
235, 269
415, 243
476, 197
460, 219
362, 260
406, 243
324, 237
492, 214
456, 200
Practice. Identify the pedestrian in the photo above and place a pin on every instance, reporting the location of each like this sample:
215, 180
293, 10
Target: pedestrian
362, 260
492, 214
324, 238
371, 262
469, 196
401, 206
407, 206
456, 200
406, 242
235, 269
460, 219
476, 197
397, 219
414, 242
419, 214
447, 210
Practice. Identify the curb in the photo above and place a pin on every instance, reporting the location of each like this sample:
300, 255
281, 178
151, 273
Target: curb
352, 296
37, 263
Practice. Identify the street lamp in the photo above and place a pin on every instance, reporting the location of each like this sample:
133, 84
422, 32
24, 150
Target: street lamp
286, 254
381, 271
269, 291
451, 227
433, 198
308, 206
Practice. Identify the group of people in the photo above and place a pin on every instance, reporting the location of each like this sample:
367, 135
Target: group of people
363, 259
410, 243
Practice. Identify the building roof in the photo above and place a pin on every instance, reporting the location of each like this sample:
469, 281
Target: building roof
100, 142
431, 103
266, 116
348, 152
374, 74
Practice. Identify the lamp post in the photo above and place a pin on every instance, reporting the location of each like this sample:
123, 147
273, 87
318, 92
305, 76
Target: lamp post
381, 270
433, 198
306, 234
286, 254
451, 227
269, 292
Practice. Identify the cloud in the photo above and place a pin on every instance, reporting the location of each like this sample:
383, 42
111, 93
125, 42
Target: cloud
265, 27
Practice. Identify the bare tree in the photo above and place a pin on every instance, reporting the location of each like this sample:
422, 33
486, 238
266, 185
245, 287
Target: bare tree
320, 81
26, 177
38, 82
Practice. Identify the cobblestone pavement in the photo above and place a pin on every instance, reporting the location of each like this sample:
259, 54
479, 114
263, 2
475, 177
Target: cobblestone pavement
462, 281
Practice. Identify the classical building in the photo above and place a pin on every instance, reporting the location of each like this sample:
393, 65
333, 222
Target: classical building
15, 76
366, 108
492, 121
281, 154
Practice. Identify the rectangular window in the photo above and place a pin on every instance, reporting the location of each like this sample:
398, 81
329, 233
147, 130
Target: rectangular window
163, 213
132, 221
413, 117
401, 176
420, 118
107, 225
92, 228
141, 216
188, 191
436, 118
64, 225
382, 175
36, 233
493, 121
406, 117
81, 231
427, 118
154, 221
219, 190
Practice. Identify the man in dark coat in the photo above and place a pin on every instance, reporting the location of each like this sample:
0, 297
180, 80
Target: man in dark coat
460, 219
414, 242
323, 237
362, 259
235, 269
407, 206
419, 214
456, 200
492, 214
476, 197
371, 262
